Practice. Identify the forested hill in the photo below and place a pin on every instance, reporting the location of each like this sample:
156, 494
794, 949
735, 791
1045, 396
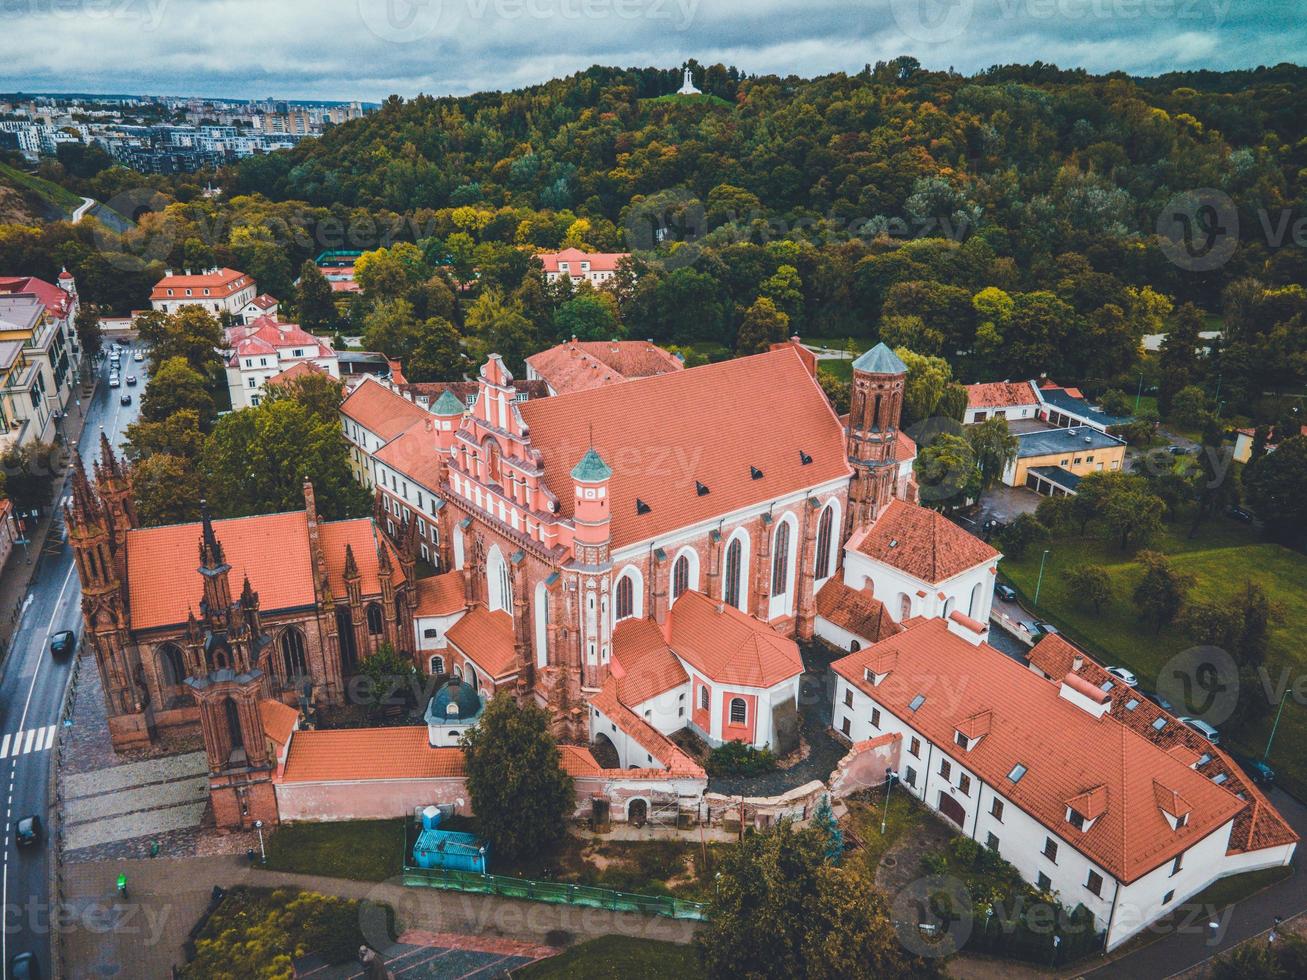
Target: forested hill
1103, 152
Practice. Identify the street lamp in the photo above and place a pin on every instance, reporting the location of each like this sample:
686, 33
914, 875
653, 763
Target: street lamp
263, 854
1040, 581
1275, 727
889, 784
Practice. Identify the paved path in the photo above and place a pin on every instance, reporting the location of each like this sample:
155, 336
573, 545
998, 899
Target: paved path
143, 936
86, 205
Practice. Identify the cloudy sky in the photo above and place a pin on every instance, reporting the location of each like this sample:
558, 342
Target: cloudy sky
368, 49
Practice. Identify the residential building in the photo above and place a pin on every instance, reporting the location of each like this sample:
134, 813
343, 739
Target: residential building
1067, 407
1053, 461
581, 365
40, 359
216, 290
1003, 400
1243, 443
259, 307
265, 349
1094, 795
596, 268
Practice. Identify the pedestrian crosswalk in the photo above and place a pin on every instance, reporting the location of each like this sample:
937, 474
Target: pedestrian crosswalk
29, 740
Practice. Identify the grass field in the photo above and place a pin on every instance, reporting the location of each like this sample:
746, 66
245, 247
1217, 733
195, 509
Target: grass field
52, 194
619, 957
366, 850
1223, 556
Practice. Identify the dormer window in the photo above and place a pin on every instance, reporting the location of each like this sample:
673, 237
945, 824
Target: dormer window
1075, 819
962, 740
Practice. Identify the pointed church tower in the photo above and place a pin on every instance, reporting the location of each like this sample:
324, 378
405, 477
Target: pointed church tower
592, 563
874, 411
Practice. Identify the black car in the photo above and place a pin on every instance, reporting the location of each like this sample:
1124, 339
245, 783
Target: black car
1158, 700
27, 830
1258, 769
63, 643
126, 399
24, 966
1006, 593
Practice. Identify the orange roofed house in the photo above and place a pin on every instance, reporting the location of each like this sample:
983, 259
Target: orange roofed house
1093, 793
219, 625
216, 290
581, 365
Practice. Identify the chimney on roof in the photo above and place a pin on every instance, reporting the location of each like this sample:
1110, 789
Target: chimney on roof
971, 630
721, 607
1077, 663
1089, 699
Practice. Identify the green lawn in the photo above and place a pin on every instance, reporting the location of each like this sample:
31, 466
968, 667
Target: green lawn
905, 815
54, 195
366, 850
1223, 556
841, 369
619, 957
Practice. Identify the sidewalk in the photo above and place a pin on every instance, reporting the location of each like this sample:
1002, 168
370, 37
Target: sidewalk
143, 936
21, 567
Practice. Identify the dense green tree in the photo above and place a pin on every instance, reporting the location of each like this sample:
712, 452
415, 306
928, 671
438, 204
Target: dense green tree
781, 909
191, 333
314, 304
167, 490
1161, 592
946, 472
521, 796
178, 434
498, 327
995, 448
440, 354
176, 387
319, 392
1091, 585
1017, 538
1276, 487
87, 325
587, 316
763, 326
1133, 515
1188, 407
390, 327
927, 379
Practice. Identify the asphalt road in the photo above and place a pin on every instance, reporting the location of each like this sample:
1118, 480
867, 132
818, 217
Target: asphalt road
31, 694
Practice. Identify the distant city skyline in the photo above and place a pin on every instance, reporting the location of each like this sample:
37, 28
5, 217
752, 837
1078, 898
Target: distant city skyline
366, 50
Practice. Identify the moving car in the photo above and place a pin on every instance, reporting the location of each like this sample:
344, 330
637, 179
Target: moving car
1258, 769
126, 399
27, 830
23, 966
138, 357
1006, 592
1203, 729
1124, 676
131, 380
63, 643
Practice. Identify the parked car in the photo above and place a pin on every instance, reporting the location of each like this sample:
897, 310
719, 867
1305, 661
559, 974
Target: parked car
24, 966
138, 357
1158, 700
113, 380
1037, 628
27, 830
1258, 769
1046, 629
1124, 676
131, 380
126, 399
1005, 592
63, 643
1239, 514
1203, 729
1178, 450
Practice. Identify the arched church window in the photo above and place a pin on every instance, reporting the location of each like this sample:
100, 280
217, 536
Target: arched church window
374, 618
824, 531
625, 597
172, 665
294, 660
437, 666
780, 566
233, 723
734, 556
680, 576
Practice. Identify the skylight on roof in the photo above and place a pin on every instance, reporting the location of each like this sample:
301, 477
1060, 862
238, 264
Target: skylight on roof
1159, 724
1105, 686
1219, 778
1203, 759
1017, 772
1132, 704
917, 702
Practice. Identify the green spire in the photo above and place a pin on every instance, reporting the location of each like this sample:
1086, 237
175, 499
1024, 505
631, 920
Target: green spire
447, 404
591, 469
880, 360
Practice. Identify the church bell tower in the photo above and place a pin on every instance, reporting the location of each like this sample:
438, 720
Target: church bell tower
872, 438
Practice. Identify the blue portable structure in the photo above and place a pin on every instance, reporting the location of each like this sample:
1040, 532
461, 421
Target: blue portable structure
436, 848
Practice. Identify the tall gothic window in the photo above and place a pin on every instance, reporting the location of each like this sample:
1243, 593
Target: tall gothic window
680, 576
172, 667
780, 567
374, 618
234, 724
734, 556
625, 597
294, 662
823, 543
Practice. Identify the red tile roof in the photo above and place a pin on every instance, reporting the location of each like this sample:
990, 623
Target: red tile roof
350, 754
221, 283
922, 543
381, 411
661, 434
854, 610
1257, 825
440, 595
730, 647
1089, 755
414, 453
486, 638
1001, 394
54, 299
279, 719
272, 549
905, 449
297, 370
662, 749
643, 663
264, 301
581, 365
599, 261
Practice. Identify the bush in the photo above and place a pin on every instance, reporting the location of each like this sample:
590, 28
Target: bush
740, 759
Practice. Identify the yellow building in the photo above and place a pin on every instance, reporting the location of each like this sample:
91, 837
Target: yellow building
1053, 461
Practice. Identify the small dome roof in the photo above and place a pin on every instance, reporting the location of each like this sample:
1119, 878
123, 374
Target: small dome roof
454, 692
